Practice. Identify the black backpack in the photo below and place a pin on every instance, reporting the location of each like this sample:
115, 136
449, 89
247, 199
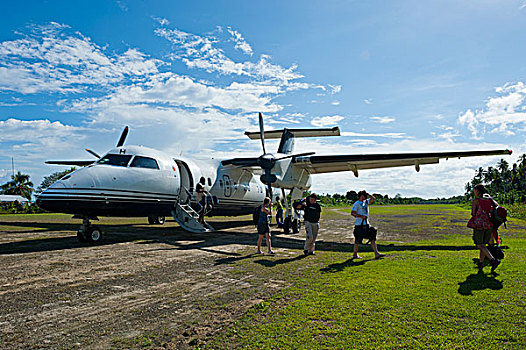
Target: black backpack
255, 215
496, 251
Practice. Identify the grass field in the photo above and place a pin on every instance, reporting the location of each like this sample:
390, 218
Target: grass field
424, 294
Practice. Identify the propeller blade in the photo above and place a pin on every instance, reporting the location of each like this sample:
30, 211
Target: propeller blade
247, 162
262, 132
123, 137
92, 153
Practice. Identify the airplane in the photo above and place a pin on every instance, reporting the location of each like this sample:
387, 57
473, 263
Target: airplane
137, 181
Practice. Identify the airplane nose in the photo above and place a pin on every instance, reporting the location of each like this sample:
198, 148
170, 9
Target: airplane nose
60, 195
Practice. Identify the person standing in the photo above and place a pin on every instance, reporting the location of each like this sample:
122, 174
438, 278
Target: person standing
263, 225
279, 212
201, 192
360, 210
482, 237
311, 216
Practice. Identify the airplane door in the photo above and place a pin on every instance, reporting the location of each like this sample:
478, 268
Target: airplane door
227, 186
187, 182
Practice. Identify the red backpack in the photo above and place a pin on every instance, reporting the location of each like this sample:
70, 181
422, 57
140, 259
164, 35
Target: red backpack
499, 216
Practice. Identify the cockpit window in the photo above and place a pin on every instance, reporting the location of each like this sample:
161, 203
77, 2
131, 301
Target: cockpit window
115, 159
144, 162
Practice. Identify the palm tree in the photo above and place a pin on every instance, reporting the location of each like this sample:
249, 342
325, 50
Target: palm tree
19, 185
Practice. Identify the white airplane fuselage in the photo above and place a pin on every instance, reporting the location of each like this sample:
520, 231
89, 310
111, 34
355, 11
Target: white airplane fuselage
140, 181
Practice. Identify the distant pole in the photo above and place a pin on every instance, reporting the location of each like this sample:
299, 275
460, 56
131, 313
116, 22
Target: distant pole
13, 166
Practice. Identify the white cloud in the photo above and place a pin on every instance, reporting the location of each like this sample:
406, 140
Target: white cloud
241, 44
167, 90
51, 59
326, 121
201, 52
161, 21
368, 101
18, 130
383, 120
335, 88
502, 114
32, 142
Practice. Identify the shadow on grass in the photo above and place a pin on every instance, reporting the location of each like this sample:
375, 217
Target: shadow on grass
478, 281
234, 259
332, 268
272, 263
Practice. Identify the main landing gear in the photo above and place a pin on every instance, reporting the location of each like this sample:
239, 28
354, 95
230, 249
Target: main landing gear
88, 232
156, 220
289, 224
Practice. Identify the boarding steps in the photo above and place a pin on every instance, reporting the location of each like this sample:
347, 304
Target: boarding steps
188, 219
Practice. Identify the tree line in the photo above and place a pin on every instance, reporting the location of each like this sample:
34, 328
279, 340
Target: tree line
504, 183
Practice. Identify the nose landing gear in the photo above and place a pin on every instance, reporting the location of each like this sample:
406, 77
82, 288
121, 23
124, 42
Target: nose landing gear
88, 232
156, 220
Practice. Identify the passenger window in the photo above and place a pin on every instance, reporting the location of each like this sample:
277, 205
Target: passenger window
144, 162
220, 183
115, 159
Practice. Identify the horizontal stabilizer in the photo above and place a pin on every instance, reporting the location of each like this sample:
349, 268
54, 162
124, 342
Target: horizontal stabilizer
313, 132
71, 162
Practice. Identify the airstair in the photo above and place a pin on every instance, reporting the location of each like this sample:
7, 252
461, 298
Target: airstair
188, 219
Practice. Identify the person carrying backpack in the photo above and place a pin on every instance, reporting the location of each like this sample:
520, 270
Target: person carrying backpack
263, 225
481, 207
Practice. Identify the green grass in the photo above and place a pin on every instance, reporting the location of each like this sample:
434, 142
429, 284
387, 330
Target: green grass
424, 294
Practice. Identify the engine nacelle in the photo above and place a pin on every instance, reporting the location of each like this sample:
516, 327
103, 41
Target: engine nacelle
290, 176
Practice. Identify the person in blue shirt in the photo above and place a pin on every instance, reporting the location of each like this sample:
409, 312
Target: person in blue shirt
263, 225
360, 210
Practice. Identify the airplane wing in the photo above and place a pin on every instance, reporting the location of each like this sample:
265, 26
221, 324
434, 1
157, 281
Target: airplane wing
71, 162
332, 163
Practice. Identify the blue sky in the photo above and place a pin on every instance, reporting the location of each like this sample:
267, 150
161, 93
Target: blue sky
398, 76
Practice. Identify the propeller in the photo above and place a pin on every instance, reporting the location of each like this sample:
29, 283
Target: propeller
124, 134
262, 132
93, 153
123, 137
267, 160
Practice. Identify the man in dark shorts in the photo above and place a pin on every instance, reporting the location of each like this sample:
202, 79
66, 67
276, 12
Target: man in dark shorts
360, 210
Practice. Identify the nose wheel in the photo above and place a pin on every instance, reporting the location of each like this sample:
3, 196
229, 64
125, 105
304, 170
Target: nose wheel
156, 220
88, 232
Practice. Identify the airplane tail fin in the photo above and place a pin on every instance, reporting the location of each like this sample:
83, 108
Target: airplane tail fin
286, 145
